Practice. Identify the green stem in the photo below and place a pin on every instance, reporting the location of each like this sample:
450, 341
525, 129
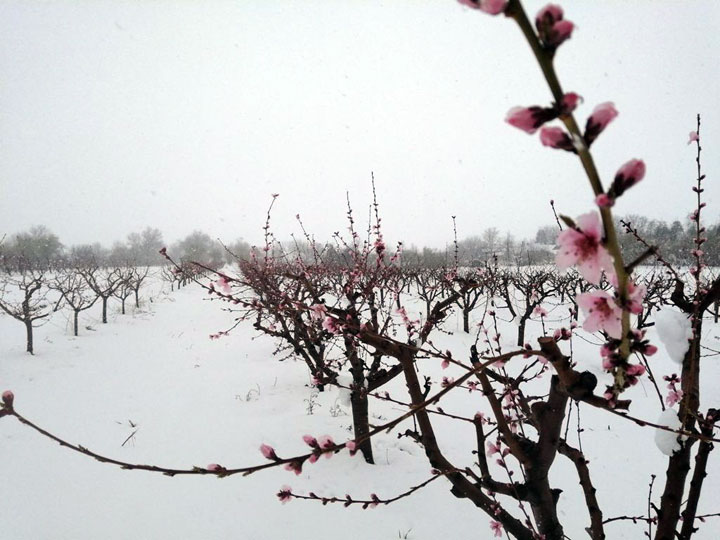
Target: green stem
545, 60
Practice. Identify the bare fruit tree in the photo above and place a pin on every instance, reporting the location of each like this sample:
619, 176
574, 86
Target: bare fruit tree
103, 283
75, 293
30, 305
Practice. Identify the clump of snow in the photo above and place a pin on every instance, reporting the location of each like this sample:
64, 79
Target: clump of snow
666, 441
345, 393
674, 330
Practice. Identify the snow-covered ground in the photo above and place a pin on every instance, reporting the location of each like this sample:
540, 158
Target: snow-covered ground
193, 401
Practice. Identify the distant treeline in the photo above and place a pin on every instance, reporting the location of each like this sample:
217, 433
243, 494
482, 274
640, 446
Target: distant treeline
674, 240
40, 248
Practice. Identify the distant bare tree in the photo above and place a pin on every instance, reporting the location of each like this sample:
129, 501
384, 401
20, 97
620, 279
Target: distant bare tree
75, 292
30, 306
103, 283
137, 276
124, 287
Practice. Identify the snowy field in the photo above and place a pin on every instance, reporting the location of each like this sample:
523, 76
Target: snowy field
191, 401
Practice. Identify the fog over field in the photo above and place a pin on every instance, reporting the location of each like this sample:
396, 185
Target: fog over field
189, 115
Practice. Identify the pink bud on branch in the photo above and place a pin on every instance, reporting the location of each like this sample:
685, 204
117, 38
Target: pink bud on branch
285, 494
555, 137
7, 398
491, 7
529, 119
268, 452
569, 102
294, 466
552, 29
602, 115
216, 469
352, 447
310, 441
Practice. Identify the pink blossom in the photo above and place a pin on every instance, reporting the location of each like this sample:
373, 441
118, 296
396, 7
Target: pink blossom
331, 325
285, 494
223, 284
570, 102
318, 311
352, 446
497, 528
310, 441
602, 313
268, 452
632, 172
636, 295
604, 200
583, 247
493, 448
491, 7
673, 397
627, 176
379, 246
326, 443
555, 137
294, 466
529, 119
214, 467
560, 32
551, 27
8, 397
445, 363
693, 137
635, 370
561, 334
602, 115
548, 16
539, 311
607, 362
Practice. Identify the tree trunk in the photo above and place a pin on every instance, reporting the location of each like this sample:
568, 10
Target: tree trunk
29, 332
359, 402
104, 318
137, 298
361, 422
521, 331
75, 321
466, 320
123, 306
679, 462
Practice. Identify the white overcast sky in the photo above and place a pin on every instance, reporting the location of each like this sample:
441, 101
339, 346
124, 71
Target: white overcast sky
183, 115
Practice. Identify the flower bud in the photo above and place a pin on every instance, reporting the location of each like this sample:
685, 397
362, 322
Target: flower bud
7, 398
602, 115
555, 137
